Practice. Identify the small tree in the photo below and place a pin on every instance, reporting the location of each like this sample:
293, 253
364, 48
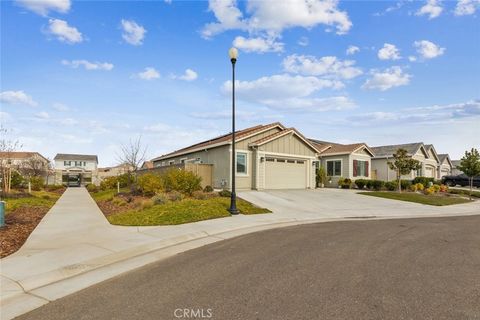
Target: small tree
403, 164
321, 177
7, 146
133, 155
470, 165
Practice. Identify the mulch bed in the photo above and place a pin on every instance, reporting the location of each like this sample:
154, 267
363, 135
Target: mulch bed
18, 226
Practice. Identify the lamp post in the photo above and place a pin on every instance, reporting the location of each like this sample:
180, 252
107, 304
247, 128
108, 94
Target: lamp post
233, 53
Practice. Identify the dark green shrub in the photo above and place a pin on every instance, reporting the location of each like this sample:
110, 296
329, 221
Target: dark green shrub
17, 180
182, 181
377, 184
225, 193
346, 183
37, 183
405, 184
369, 184
150, 183
360, 183
423, 180
91, 187
391, 185
208, 189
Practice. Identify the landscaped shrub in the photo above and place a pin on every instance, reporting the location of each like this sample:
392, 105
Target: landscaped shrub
377, 184
391, 185
183, 181
150, 183
429, 191
346, 183
119, 201
37, 183
208, 189
369, 184
91, 187
175, 196
321, 177
108, 183
436, 188
160, 198
199, 195
225, 193
54, 187
17, 180
419, 186
360, 183
340, 181
413, 188
423, 180
443, 188
405, 184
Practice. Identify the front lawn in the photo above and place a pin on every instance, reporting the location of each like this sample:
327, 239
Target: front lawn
433, 199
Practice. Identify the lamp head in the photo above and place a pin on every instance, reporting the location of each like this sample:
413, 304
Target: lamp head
233, 53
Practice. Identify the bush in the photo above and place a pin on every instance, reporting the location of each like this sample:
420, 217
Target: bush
346, 183
160, 198
369, 184
17, 180
321, 176
419, 186
340, 181
182, 181
443, 188
199, 195
423, 180
54, 187
37, 183
150, 184
175, 196
377, 184
119, 201
391, 185
429, 191
405, 184
225, 193
46, 197
91, 187
360, 183
436, 188
111, 182
145, 204
413, 188
208, 189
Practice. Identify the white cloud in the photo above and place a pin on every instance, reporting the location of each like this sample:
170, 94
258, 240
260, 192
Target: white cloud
42, 115
189, 75
133, 33
42, 7
273, 19
63, 31
329, 66
148, 74
427, 49
432, 8
352, 50
17, 97
313, 104
303, 41
466, 7
391, 77
389, 52
258, 44
88, 65
60, 107
412, 58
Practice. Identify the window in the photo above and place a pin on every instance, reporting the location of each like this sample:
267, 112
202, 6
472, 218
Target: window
360, 168
171, 162
242, 163
84, 164
334, 168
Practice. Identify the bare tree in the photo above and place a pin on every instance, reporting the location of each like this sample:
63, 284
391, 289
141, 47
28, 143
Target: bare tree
7, 146
34, 167
132, 154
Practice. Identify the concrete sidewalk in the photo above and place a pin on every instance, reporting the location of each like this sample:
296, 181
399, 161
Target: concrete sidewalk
74, 246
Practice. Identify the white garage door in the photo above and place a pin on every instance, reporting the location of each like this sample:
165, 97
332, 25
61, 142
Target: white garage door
285, 174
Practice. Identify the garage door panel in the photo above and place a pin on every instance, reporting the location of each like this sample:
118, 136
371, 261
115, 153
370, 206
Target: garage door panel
285, 174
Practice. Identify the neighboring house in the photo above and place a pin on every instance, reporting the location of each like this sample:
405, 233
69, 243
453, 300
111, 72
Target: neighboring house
445, 166
455, 171
147, 165
418, 151
432, 163
76, 169
26, 162
114, 171
351, 161
267, 157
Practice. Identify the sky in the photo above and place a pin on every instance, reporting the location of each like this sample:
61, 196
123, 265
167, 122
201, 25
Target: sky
88, 76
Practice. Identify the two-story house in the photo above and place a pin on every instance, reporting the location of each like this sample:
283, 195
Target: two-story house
76, 169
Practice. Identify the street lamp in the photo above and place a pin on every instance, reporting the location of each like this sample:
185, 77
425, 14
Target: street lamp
233, 53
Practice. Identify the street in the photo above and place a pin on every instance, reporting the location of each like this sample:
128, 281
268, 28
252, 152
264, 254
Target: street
380, 269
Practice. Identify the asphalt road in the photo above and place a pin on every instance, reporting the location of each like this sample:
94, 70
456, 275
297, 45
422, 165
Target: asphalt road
391, 269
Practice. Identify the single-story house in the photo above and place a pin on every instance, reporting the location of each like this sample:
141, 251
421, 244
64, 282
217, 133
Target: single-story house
455, 171
418, 151
114, 171
267, 157
445, 166
351, 161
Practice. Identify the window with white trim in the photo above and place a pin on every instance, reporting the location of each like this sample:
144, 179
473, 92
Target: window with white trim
334, 168
241, 163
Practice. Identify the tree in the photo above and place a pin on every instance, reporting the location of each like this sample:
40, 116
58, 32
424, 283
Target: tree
34, 167
7, 146
470, 165
403, 164
133, 155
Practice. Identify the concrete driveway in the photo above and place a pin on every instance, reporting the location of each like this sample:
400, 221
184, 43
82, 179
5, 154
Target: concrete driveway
340, 203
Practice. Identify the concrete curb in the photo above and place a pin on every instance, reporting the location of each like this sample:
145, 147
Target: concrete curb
50, 286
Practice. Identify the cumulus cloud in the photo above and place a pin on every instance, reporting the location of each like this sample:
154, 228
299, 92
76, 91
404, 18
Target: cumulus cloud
303, 41
258, 44
63, 32
189, 75
43, 7
427, 49
88, 65
352, 50
149, 73
328, 66
390, 78
466, 7
17, 98
133, 33
432, 8
389, 52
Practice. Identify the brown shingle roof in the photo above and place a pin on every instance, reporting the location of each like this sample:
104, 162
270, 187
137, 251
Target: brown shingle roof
342, 148
20, 155
70, 156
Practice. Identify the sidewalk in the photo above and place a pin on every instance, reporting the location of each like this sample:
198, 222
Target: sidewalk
74, 246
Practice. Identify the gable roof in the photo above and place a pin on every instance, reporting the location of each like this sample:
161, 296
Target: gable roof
331, 148
443, 156
21, 155
431, 147
282, 133
222, 140
79, 157
389, 150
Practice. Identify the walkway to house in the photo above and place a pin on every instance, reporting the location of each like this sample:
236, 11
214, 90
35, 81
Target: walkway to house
74, 246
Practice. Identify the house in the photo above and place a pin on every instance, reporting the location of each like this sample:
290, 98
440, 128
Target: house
445, 166
351, 161
455, 171
267, 157
76, 169
147, 165
27, 163
384, 155
114, 171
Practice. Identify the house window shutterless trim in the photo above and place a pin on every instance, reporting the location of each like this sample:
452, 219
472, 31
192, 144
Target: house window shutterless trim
334, 168
241, 163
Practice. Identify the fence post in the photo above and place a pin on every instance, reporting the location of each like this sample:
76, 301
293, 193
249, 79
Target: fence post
2, 213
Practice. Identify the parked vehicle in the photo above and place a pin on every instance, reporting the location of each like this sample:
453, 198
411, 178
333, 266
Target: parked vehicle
461, 180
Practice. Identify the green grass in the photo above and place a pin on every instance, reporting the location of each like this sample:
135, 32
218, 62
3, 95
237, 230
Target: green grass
433, 200
184, 211
106, 194
464, 192
37, 199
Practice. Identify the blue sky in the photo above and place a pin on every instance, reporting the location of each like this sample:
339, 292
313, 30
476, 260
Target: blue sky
87, 76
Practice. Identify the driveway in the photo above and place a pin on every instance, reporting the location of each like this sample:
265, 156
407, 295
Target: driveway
340, 203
